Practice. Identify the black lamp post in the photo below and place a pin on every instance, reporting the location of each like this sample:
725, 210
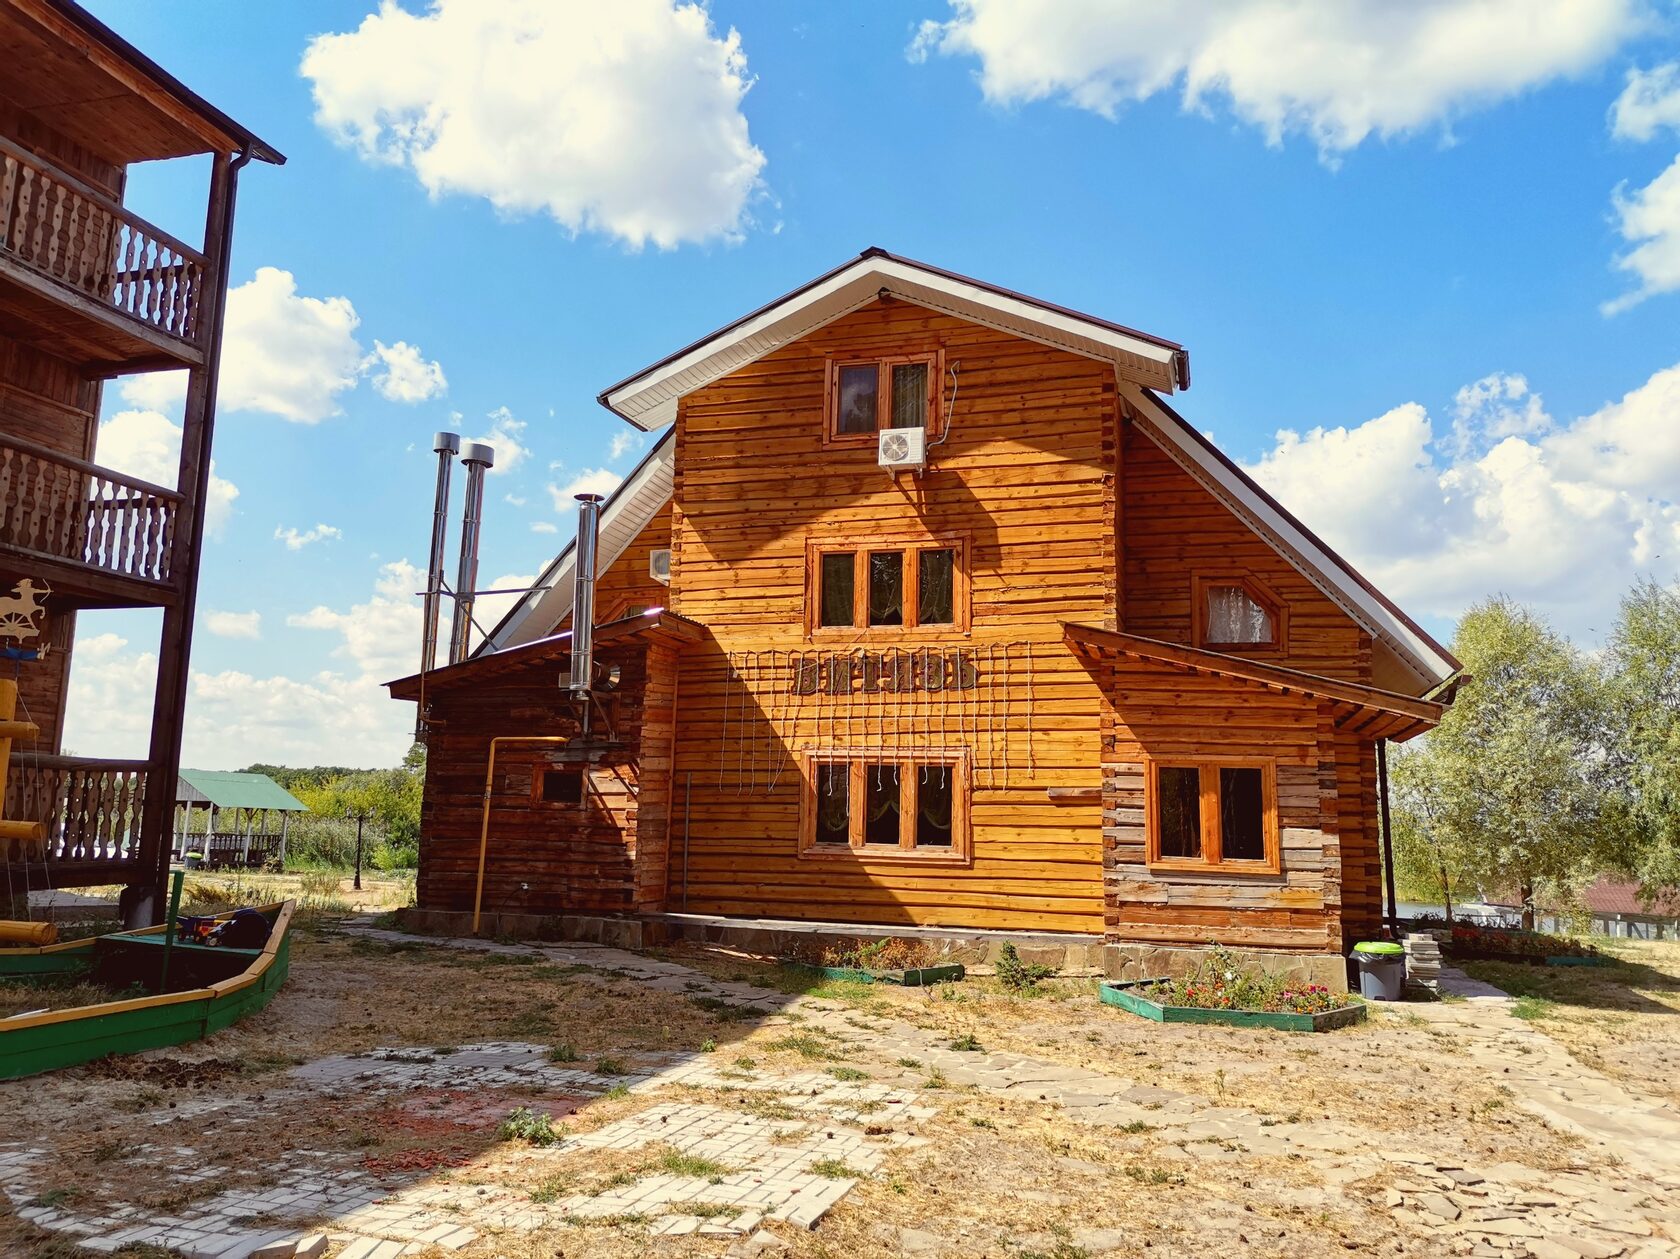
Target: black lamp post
358, 816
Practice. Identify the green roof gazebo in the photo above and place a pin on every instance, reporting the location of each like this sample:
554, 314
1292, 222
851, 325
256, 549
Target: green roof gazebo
252, 800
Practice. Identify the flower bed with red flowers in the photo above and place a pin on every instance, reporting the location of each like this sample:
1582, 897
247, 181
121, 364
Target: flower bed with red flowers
1508, 944
1269, 996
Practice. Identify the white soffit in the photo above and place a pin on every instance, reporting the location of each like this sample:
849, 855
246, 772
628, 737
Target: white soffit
624, 515
1316, 562
649, 400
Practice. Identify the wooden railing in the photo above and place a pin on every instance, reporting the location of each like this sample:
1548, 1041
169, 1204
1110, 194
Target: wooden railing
91, 807
231, 848
76, 235
69, 509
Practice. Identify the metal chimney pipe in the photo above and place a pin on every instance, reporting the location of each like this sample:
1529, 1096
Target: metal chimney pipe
447, 445
583, 595
478, 457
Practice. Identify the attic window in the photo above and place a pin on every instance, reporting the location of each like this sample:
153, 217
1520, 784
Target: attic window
868, 396
1237, 614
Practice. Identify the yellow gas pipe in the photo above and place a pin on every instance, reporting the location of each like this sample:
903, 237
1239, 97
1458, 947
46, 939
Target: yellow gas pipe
489, 781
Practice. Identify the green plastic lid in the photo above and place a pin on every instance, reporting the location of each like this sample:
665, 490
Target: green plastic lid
1385, 948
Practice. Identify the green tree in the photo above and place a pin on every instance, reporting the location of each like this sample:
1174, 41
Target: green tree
1643, 654
1515, 789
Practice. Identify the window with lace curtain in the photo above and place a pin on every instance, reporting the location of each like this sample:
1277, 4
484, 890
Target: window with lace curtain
880, 805
867, 396
884, 586
1237, 613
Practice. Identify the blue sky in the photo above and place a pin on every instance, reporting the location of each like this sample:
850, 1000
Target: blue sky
1344, 244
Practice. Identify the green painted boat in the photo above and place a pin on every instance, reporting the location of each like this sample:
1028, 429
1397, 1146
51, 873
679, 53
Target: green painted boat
211, 988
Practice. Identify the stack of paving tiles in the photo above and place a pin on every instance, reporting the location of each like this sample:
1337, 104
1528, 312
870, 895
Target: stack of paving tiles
1423, 961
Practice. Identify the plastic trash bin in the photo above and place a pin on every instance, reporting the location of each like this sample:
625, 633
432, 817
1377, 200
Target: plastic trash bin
1382, 970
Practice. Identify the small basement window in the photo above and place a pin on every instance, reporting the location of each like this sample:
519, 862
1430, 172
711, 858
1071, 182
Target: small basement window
866, 397
1202, 816
907, 585
1237, 614
560, 786
870, 805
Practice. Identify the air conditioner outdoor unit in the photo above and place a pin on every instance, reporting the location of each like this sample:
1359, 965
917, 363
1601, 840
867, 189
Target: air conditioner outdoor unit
659, 565
902, 449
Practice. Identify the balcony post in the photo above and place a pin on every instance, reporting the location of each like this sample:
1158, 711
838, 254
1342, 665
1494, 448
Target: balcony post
175, 648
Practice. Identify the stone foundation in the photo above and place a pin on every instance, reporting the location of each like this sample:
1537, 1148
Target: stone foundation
1155, 961
768, 937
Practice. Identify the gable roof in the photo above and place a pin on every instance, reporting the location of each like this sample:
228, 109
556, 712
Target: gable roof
228, 790
649, 398
1340, 582
1365, 711
627, 510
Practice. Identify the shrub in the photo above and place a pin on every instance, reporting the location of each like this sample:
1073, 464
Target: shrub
1469, 942
1019, 976
525, 1124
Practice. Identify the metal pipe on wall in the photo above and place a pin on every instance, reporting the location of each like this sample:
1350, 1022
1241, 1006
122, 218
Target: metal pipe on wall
583, 595
478, 458
447, 446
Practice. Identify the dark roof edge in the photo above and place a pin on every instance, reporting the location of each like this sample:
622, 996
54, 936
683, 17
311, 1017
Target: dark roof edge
1181, 356
1352, 572
97, 30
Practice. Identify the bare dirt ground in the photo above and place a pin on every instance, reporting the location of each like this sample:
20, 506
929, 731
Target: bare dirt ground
707, 1104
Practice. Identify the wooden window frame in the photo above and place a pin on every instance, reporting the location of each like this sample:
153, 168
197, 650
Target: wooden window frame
540, 772
961, 849
1256, 590
1212, 859
859, 548
935, 360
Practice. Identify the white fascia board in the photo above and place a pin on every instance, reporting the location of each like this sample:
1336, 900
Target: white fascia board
624, 515
647, 402
1288, 540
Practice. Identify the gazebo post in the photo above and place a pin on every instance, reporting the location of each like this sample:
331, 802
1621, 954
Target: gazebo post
210, 834
245, 837
285, 817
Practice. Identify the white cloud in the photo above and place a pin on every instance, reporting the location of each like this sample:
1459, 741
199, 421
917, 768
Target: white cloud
515, 500
296, 541
1337, 72
1649, 219
282, 354
620, 118
402, 374
506, 435
625, 441
601, 481
544, 526
145, 444
1648, 104
1562, 516
234, 624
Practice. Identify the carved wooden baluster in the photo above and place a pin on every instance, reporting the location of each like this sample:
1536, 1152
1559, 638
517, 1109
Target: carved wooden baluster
8, 190
158, 514
8, 493
23, 238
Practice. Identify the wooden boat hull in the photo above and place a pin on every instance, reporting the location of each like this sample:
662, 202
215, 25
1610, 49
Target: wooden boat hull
63, 1038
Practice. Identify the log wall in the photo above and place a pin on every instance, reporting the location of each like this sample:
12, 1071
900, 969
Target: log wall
1026, 473
1162, 712
545, 858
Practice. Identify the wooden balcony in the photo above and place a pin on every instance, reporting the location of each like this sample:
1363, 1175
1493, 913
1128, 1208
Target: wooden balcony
97, 537
87, 280
92, 813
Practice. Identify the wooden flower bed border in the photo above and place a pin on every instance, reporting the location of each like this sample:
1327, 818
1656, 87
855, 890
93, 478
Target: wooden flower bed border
912, 977
1120, 994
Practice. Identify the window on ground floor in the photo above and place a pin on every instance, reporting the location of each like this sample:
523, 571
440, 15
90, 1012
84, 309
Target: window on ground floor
1204, 815
893, 805
559, 785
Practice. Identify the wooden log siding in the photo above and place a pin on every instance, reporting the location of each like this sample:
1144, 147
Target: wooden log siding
1173, 528
1027, 474
1164, 713
543, 858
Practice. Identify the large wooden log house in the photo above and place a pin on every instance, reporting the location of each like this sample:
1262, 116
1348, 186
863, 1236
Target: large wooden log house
89, 290
926, 609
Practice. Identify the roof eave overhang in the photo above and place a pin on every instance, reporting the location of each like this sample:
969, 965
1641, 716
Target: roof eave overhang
649, 398
1358, 711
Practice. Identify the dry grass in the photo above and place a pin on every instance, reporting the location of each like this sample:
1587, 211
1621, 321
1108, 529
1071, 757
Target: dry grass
1619, 1019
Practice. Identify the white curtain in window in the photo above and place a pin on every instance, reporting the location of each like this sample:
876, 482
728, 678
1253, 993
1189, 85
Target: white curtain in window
1233, 616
